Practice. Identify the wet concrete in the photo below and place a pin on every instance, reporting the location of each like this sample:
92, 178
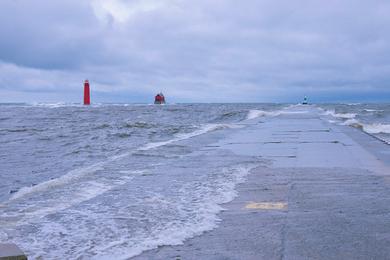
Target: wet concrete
11, 252
326, 195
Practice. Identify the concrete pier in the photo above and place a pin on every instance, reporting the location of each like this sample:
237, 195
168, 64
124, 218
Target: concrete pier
324, 195
11, 252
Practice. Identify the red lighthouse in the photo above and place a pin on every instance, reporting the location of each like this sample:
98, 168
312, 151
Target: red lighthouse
87, 98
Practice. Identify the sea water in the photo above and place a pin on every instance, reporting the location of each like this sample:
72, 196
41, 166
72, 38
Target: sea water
373, 119
110, 181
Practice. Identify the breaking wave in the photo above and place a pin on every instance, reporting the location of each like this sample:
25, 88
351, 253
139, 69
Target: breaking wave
252, 114
69, 177
374, 110
207, 206
376, 128
365, 119
81, 172
339, 115
179, 137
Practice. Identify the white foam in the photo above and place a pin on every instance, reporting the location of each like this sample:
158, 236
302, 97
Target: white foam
56, 105
202, 201
252, 114
180, 137
64, 179
175, 234
3, 236
339, 115
91, 190
294, 112
373, 110
73, 195
352, 122
377, 128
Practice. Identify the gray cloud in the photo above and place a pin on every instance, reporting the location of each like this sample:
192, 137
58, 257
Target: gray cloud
196, 50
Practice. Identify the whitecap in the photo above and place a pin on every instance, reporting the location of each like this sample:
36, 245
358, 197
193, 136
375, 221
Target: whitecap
377, 128
339, 115
252, 114
180, 137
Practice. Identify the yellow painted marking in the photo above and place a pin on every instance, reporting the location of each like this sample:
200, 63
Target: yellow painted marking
266, 205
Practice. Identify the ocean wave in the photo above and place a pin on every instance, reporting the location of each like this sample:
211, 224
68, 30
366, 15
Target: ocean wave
375, 128
252, 114
56, 105
179, 137
102, 126
139, 124
206, 218
339, 115
63, 198
81, 172
66, 104
373, 110
229, 115
123, 135
353, 122
198, 206
21, 130
64, 179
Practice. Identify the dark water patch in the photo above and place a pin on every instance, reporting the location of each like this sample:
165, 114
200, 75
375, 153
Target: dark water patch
11, 191
62, 136
73, 152
174, 109
21, 130
45, 138
231, 115
123, 135
140, 124
102, 126
153, 155
173, 130
174, 149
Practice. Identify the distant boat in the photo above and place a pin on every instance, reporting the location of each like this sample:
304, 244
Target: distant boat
159, 99
305, 102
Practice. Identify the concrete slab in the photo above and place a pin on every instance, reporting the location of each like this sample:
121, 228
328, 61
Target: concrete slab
325, 195
11, 252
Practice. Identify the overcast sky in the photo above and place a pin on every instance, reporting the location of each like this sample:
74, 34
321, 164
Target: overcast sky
195, 51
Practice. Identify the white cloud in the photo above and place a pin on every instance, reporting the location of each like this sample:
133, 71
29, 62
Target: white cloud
122, 11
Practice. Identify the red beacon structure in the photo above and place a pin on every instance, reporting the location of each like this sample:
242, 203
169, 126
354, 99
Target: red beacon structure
87, 97
159, 99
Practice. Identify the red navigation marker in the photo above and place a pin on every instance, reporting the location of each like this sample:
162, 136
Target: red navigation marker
87, 98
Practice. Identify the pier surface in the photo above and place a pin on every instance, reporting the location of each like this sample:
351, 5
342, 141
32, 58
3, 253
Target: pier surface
325, 194
11, 252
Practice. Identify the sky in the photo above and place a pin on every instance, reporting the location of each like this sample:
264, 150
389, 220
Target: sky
195, 51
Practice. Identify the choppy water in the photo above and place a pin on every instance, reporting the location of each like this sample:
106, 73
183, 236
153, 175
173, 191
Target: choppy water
373, 119
110, 181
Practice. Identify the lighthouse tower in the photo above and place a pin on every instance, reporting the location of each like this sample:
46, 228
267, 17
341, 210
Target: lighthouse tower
87, 98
